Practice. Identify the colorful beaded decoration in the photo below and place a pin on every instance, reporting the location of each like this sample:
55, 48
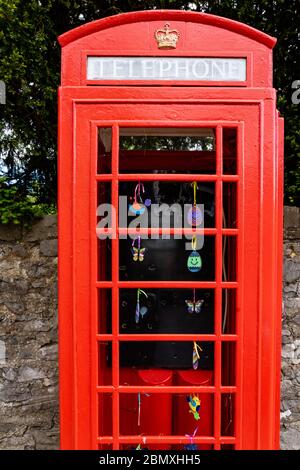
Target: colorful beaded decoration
194, 262
196, 355
195, 215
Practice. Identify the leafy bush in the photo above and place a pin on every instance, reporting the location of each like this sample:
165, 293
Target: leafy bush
17, 208
30, 67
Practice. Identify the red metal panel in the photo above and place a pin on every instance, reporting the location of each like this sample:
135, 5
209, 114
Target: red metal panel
168, 284
82, 286
218, 289
94, 291
258, 231
65, 271
115, 291
201, 35
240, 410
164, 95
164, 15
249, 281
267, 433
279, 168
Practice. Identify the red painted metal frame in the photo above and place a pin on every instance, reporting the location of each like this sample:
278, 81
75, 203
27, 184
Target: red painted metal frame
252, 111
166, 15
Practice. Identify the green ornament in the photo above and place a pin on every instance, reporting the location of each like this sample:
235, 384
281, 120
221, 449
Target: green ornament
194, 262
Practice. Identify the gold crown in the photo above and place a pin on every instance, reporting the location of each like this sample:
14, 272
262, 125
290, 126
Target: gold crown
166, 38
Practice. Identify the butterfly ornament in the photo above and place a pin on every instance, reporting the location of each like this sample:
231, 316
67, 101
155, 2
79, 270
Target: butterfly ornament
138, 253
194, 306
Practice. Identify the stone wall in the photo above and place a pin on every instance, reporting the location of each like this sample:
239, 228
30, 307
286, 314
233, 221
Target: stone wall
28, 336
290, 382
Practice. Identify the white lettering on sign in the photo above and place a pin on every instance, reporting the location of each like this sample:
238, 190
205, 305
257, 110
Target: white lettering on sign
167, 68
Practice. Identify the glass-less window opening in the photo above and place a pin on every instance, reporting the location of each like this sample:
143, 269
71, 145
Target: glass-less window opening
177, 355
161, 150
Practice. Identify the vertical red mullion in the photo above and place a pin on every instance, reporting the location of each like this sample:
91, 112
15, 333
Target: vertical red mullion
94, 290
239, 291
115, 290
218, 290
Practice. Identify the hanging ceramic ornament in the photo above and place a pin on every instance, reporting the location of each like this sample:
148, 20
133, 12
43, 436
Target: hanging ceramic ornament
195, 215
139, 406
191, 445
139, 446
139, 409
140, 311
138, 253
194, 404
194, 262
194, 306
143, 311
137, 207
196, 355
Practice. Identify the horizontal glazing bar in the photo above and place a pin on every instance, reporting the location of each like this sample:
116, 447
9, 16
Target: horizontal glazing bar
175, 284
175, 177
104, 231
168, 177
161, 123
104, 177
229, 231
162, 231
104, 284
159, 231
227, 439
167, 337
105, 439
166, 284
171, 231
165, 439
166, 389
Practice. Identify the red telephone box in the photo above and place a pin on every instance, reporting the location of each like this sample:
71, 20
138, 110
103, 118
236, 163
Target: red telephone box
169, 107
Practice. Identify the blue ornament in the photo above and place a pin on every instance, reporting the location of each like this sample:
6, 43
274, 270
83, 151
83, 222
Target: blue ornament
136, 208
195, 216
194, 262
191, 447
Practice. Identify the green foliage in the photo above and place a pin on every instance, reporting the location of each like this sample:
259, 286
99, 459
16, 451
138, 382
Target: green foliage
30, 67
17, 208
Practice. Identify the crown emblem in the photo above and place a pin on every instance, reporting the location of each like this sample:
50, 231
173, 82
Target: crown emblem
166, 38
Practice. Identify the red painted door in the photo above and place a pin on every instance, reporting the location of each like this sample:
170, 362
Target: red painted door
115, 405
